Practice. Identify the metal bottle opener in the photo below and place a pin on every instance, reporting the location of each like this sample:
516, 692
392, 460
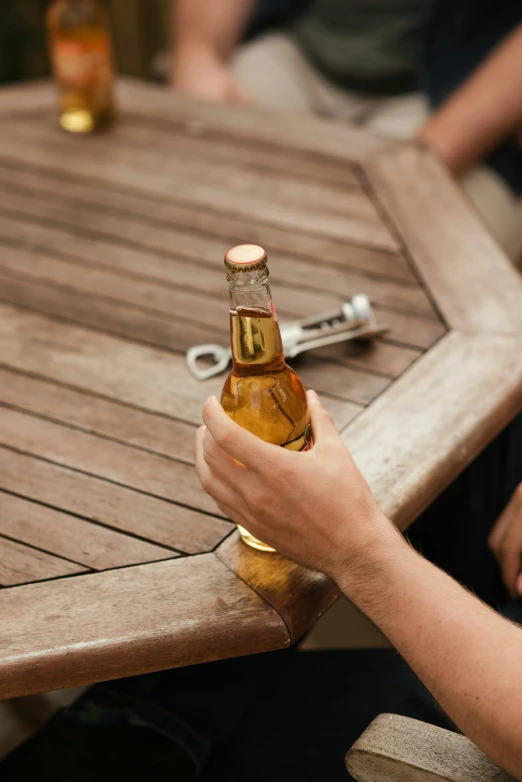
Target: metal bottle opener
354, 320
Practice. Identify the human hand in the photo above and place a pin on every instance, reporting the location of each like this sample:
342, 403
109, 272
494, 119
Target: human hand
204, 76
314, 507
505, 541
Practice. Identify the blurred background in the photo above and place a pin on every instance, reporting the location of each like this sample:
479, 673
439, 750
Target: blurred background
140, 29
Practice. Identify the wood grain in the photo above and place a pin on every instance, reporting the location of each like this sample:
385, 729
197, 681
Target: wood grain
139, 133
111, 367
280, 202
147, 472
26, 98
114, 506
434, 420
80, 630
398, 749
21, 564
202, 226
75, 539
379, 356
474, 283
138, 307
300, 596
100, 416
206, 251
254, 125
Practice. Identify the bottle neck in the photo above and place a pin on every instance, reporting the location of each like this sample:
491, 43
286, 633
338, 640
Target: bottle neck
255, 336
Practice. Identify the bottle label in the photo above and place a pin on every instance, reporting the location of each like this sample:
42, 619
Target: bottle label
302, 443
83, 65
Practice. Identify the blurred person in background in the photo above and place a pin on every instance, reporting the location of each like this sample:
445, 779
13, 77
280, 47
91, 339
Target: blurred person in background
447, 72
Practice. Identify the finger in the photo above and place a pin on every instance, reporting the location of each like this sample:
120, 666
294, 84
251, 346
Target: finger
324, 430
510, 563
198, 441
228, 469
214, 486
233, 439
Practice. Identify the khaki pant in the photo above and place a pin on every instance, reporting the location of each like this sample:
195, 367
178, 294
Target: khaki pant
274, 71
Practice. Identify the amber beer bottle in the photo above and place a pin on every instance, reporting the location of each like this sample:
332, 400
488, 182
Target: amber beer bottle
262, 394
80, 46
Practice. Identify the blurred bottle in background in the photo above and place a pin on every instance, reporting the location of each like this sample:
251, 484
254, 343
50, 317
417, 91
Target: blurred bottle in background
80, 45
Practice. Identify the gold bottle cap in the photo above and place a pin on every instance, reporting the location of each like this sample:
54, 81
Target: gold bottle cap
245, 256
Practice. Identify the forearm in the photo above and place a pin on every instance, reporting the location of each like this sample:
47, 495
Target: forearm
483, 112
469, 657
211, 27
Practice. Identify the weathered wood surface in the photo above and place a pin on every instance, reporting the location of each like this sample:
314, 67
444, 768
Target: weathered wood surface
112, 559
129, 621
399, 749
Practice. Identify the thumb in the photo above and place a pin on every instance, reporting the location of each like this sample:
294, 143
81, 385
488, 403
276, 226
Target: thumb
324, 430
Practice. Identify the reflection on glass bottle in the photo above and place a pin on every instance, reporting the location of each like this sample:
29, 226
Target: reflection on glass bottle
262, 393
81, 53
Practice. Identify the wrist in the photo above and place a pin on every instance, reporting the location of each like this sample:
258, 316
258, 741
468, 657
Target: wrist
444, 142
366, 572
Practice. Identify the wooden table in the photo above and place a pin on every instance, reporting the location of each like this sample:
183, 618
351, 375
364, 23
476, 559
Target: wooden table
113, 560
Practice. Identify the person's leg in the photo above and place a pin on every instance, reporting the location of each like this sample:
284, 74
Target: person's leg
164, 725
311, 714
275, 73
398, 117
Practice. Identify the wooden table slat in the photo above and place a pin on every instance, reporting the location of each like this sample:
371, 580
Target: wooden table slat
463, 377
136, 374
159, 476
199, 225
223, 617
114, 506
475, 284
72, 538
107, 317
20, 564
165, 297
183, 249
180, 140
100, 416
258, 125
343, 216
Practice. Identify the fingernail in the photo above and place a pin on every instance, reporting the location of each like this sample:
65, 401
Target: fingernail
313, 395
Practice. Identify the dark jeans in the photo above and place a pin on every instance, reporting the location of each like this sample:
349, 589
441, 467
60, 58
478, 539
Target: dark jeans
285, 715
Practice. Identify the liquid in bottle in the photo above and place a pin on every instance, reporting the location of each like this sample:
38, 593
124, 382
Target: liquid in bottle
262, 393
